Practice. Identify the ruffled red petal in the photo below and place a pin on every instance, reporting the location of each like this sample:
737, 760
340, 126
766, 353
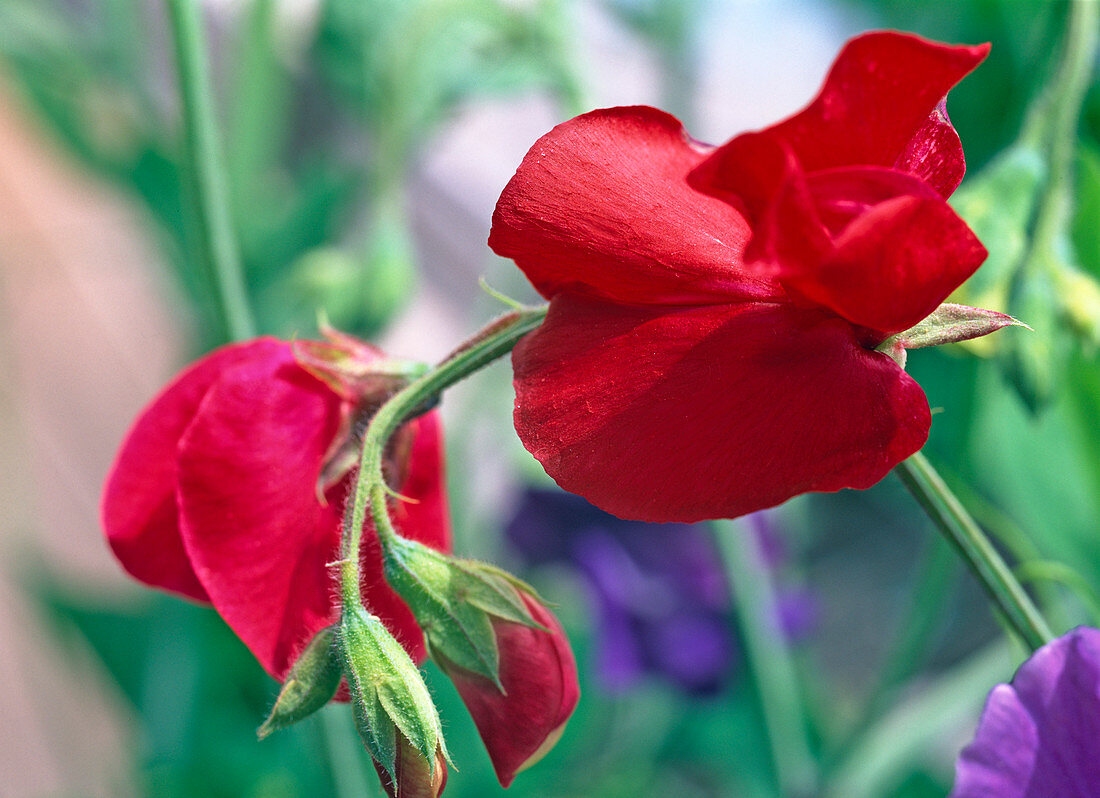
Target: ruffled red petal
880, 106
539, 675
665, 414
139, 510
894, 264
257, 536
600, 205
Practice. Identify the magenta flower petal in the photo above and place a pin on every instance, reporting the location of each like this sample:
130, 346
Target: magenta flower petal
214, 495
708, 412
139, 500
1039, 737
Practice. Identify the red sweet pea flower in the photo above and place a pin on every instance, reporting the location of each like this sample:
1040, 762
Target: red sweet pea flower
539, 675
216, 491
710, 344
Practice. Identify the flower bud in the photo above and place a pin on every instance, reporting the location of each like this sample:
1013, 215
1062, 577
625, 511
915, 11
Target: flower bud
505, 652
416, 777
390, 701
520, 723
311, 683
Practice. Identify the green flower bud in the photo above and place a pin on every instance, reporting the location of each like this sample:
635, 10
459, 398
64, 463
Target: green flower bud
389, 698
311, 683
947, 324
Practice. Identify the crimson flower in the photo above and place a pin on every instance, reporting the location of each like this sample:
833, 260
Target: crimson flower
520, 724
229, 489
710, 347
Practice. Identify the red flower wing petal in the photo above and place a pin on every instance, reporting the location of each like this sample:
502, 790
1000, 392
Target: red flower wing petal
139, 500
539, 675
894, 264
880, 106
600, 205
710, 412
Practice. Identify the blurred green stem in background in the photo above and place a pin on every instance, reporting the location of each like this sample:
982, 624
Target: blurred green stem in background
1054, 118
769, 658
203, 164
985, 563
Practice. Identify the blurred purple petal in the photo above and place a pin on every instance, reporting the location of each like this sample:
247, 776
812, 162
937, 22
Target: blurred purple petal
1040, 735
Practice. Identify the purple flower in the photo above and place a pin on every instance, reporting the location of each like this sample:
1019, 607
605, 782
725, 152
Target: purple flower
1039, 737
659, 591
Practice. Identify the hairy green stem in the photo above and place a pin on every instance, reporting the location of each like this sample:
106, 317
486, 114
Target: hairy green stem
984, 561
492, 342
770, 661
203, 170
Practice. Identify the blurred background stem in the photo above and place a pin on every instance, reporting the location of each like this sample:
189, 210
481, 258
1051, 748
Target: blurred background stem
205, 173
769, 658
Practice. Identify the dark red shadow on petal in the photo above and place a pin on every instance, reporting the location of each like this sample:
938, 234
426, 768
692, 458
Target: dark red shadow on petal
662, 414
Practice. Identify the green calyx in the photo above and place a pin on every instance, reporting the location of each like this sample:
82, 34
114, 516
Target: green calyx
455, 602
388, 693
311, 683
947, 324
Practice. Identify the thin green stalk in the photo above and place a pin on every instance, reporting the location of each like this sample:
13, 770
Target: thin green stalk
493, 341
1056, 113
204, 171
770, 661
984, 562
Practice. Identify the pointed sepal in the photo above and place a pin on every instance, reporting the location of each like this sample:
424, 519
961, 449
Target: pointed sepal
947, 324
311, 683
455, 602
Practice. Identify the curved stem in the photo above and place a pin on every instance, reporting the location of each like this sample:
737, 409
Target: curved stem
203, 167
492, 342
983, 560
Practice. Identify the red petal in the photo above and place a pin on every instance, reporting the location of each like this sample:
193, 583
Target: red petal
878, 107
894, 264
259, 540
139, 500
600, 205
541, 690
712, 412
935, 154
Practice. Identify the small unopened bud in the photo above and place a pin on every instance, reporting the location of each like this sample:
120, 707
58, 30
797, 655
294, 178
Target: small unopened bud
416, 777
311, 683
455, 602
390, 701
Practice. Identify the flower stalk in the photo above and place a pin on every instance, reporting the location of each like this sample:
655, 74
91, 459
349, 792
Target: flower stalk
204, 168
484, 347
948, 513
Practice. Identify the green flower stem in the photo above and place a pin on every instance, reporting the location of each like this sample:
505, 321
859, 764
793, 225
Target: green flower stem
203, 169
770, 661
983, 560
492, 342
